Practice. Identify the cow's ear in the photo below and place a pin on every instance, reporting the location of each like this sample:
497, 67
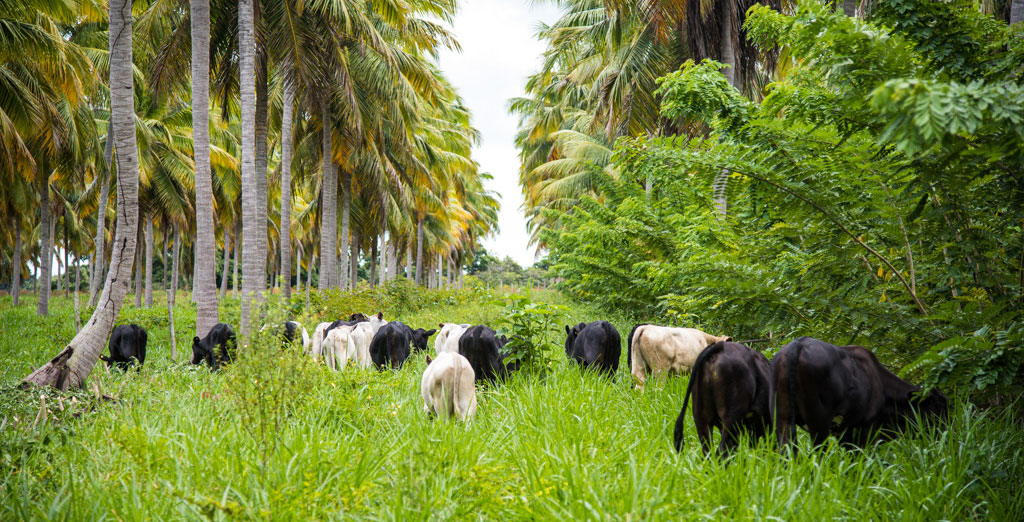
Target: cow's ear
567, 330
440, 325
430, 332
195, 340
429, 360
728, 339
380, 315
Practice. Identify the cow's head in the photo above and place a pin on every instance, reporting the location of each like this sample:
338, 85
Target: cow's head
358, 316
571, 332
199, 351
420, 338
933, 403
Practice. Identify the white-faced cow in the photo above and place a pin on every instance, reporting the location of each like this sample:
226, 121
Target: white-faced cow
842, 390
729, 383
216, 349
447, 339
448, 388
595, 345
663, 349
127, 347
390, 345
482, 347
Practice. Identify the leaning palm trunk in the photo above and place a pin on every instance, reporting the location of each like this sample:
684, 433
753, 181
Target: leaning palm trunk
72, 365
204, 262
16, 263
329, 206
286, 190
252, 239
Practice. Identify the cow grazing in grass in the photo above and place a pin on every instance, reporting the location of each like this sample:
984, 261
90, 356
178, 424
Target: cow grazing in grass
662, 349
317, 340
842, 390
447, 339
291, 329
482, 347
595, 345
448, 388
216, 349
127, 346
729, 383
390, 346
350, 341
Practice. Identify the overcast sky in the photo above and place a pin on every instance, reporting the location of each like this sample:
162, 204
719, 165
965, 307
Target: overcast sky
499, 50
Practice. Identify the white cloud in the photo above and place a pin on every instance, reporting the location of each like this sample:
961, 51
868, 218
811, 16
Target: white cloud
499, 51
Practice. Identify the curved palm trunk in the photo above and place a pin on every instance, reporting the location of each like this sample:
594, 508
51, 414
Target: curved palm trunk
71, 366
286, 190
100, 258
329, 207
149, 262
16, 263
45, 237
205, 246
253, 256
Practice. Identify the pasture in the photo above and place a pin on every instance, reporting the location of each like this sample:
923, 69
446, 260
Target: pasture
276, 437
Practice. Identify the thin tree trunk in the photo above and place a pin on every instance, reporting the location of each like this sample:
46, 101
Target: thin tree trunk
226, 269
409, 274
67, 263
373, 262
163, 256
45, 254
139, 238
419, 249
205, 245
252, 252
71, 367
261, 160
78, 282
99, 261
440, 270
286, 189
392, 258
850, 8
328, 206
309, 279
346, 211
354, 261
728, 44
1016, 11
175, 258
16, 263
149, 261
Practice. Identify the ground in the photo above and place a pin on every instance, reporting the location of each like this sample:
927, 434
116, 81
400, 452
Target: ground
299, 442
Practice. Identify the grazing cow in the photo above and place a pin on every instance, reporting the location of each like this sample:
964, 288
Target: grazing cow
448, 388
216, 348
448, 337
351, 342
390, 345
841, 390
729, 382
594, 345
353, 319
316, 346
481, 346
127, 346
293, 327
662, 349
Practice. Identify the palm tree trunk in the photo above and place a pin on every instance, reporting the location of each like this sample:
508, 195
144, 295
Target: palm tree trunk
226, 270
78, 282
175, 258
1016, 11
392, 258
163, 255
149, 261
100, 258
373, 263
67, 264
298, 267
850, 8
71, 366
409, 274
139, 238
440, 271
346, 212
419, 249
329, 206
261, 159
205, 245
252, 239
16, 263
309, 278
354, 260
286, 190
727, 42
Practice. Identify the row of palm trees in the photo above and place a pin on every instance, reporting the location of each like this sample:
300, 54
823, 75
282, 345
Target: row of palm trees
232, 127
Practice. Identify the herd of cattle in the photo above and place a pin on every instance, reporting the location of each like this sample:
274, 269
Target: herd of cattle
823, 388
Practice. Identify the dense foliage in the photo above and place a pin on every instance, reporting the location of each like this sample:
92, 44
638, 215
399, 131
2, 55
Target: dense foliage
875, 195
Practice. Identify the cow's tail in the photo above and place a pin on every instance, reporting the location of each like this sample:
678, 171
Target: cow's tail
696, 372
629, 346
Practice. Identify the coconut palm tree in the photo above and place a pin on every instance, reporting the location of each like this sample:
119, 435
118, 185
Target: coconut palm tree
205, 263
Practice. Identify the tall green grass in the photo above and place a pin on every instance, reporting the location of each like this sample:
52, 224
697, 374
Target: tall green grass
356, 444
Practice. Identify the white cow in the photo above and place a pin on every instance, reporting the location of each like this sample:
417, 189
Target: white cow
318, 338
447, 387
448, 336
660, 349
351, 343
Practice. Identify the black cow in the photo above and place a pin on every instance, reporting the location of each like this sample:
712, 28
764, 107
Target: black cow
127, 346
594, 345
482, 347
842, 390
390, 345
729, 383
216, 349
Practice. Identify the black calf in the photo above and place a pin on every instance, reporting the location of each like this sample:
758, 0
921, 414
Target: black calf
216, 348
127, 346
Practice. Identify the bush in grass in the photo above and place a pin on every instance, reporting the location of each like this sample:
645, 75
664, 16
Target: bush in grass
526, 323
